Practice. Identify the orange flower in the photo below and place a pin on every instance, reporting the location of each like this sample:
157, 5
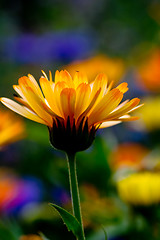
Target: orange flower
128, 155
113, 67
30, 237
72, 109
11, 129
149, 71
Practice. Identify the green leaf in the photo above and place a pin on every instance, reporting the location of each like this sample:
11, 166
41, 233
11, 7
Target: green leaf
70, 221
106, 238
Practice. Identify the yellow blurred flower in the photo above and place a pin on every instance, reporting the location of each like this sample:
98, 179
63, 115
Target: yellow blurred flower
128, 155
114, 68
11, 128
149, 71
30, 237
150, 115
72, 108
140, 188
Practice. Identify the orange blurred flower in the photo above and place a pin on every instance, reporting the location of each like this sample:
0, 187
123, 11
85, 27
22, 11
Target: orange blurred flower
11, 128
149, 71
128, 155
72, 108
114, 68
30, 237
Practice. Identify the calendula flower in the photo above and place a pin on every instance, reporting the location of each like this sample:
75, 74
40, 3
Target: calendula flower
114, 68
30, 237
140, 188
11, 128
72, 108
149, 71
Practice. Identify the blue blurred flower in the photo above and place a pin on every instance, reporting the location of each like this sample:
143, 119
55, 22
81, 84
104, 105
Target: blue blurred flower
60, 196
62, 46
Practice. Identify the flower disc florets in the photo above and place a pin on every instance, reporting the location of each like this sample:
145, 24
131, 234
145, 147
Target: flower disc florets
70, 137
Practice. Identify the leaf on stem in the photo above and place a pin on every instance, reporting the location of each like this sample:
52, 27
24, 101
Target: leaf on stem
106, 238
70, 221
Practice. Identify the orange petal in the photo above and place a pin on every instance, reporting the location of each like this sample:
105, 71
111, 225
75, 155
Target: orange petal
123, 87
68, 98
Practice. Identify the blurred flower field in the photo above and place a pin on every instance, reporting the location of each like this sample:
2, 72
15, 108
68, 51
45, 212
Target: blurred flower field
119, 174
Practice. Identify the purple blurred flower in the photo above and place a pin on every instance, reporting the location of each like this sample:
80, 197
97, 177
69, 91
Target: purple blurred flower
22, 192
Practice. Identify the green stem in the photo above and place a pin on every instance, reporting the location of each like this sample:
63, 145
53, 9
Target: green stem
75, 192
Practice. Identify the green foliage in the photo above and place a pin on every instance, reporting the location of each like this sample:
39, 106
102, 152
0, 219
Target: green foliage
105, 233
8, 231
70, 221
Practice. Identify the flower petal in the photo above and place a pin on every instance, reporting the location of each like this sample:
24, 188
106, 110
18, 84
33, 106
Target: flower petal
21, 110
105, 106
68, 98
49, 94
36, 104
82, 98
109, 124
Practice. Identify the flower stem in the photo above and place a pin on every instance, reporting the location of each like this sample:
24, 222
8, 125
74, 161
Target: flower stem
71, 159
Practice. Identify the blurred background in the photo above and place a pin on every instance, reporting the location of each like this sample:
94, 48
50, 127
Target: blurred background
119, 176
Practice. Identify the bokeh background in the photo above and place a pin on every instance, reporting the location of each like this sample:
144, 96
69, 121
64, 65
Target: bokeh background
119, 175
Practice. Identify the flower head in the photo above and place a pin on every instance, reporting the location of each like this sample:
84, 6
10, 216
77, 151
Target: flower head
72, 108
140, 188
11, 128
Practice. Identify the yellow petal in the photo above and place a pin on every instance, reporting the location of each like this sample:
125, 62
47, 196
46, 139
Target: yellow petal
36, 104
105, 106
32, 83
59, 86
49, 94
99, 83
128, 118
82, 98
79, 78
109, 124
64, 76
125, 108
21, 110
89, 108
68, 98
